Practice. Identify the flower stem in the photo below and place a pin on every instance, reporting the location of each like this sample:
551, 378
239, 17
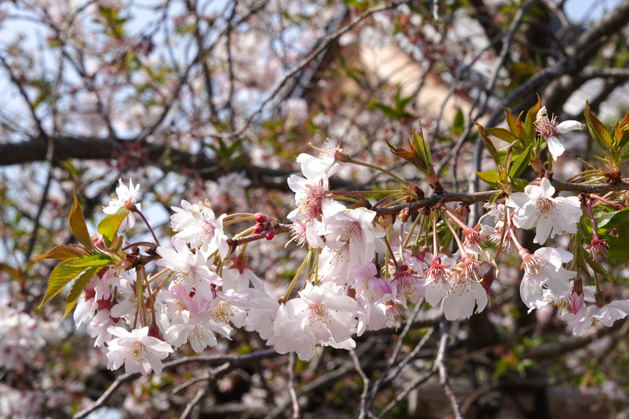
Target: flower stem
294, 281
371, 166
136, 210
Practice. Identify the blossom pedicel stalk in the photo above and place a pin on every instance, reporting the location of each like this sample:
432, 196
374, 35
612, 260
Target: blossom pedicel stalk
365, 266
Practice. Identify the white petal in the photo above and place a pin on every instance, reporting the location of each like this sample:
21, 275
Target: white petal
555, 148
567, 126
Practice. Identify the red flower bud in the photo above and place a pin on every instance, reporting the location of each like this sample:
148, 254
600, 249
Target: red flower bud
257, 229
270, 233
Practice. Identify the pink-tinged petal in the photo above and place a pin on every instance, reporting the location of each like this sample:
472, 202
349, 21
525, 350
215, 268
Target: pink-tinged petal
555, 147
434, 294
570, 125
481, 296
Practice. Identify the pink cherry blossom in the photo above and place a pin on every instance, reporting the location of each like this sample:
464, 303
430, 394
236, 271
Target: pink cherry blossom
199, 227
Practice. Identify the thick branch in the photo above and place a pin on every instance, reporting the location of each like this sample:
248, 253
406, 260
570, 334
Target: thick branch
85, 148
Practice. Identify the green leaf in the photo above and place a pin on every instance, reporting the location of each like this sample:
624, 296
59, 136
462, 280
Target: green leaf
59, 278
494, 197
78, 286
70, 269
618, 248
491, 177
503, 134
78, 226
612, 219
109, 226
520, 162
63, 252
597, 267
421, 147
98, 260
459, 122
489, 145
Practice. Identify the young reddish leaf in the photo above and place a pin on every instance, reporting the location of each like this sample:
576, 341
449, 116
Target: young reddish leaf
63, 252
529, 122
514, 124
421, 147
109, 226
597, 128
621, 129
78, 226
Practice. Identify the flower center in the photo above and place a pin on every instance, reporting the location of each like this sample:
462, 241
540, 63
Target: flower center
545, 206
533, 265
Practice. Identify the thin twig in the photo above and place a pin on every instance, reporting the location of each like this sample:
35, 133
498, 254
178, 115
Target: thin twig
363, 395
440, 364
291, 385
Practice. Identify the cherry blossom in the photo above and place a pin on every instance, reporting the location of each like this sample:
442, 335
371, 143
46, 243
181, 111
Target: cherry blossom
354, 230
125, 196
190, 269
138, 351
550, 216
607, 314
198, 226
466, 292
545, 280
321, 316
548, 130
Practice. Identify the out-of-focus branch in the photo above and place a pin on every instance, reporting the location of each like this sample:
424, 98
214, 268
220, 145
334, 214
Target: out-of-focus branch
551, 350
85, 148
307, 60
440, 365
233, 360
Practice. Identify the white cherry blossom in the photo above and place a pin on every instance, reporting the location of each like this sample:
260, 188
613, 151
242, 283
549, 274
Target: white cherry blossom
466, 291
545, 279
548, 130
125, 195
550, 216
138, 351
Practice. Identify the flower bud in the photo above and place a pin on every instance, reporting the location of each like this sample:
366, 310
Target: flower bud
257, 229
260, 218
270, 233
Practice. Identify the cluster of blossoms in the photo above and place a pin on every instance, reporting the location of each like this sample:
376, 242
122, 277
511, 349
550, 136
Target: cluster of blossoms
22, 336
365, 265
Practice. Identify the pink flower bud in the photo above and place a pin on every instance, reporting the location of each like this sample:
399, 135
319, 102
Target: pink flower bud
270, 233
260, 218
577, 301
257, 229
